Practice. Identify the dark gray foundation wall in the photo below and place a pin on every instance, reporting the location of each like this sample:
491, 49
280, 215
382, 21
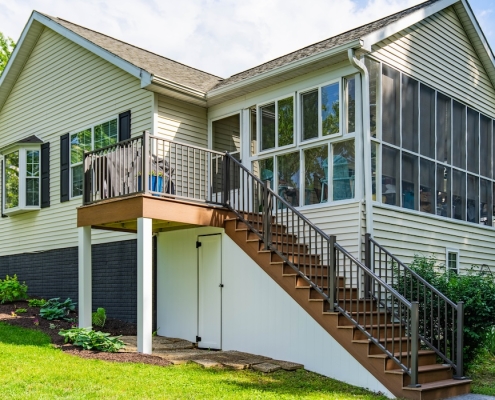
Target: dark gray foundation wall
53, 273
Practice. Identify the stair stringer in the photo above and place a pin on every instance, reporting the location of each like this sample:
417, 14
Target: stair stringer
324, 354
394, 383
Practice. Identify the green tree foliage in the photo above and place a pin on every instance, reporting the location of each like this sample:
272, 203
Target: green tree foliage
6, 48
476, 289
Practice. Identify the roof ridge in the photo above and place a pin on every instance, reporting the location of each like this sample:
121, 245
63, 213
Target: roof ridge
129, 44
420, 5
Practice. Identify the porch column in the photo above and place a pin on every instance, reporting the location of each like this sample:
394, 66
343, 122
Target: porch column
145, 285
85, 285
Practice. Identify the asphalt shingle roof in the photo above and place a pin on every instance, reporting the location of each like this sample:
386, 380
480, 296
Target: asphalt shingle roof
322, 46
151, 62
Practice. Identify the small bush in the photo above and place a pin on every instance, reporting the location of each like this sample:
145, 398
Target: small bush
490, 340
54, 309
476, 289
99, 317
36, 302
12, 290
91, 340
20, 310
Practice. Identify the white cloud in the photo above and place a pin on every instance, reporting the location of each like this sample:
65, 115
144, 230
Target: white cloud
219, 36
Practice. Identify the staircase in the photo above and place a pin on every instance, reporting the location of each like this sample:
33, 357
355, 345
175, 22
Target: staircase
375, 323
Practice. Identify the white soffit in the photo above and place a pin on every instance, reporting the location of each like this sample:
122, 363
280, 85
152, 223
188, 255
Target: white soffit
405, 22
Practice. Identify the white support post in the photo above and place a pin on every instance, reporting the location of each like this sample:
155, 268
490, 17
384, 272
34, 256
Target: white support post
145, 285
85, 284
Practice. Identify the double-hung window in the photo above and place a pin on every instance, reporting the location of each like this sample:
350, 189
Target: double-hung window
21, 178
277, 123
91, 138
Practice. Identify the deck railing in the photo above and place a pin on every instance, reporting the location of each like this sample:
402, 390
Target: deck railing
388, 302
167, 169
441, 321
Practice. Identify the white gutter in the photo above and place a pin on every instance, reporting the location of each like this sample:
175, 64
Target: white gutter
366, 136
284, 68
174, 86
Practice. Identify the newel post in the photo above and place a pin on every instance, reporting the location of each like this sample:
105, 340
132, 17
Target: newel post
226, 179
414, 343
267, 220
332, 272
459, 371
367, 262
146, 161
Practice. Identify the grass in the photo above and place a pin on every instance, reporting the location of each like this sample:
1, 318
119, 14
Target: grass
482, 372
30, 368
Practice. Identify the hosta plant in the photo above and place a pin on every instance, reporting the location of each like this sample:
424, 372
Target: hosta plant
56, 310
91, 340
36, 302
99, 317
12, 290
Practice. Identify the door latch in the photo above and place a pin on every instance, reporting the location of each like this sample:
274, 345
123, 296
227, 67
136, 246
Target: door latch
221, 285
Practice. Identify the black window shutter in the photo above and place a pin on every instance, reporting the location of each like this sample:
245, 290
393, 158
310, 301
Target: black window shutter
125, 125
45, 175
2, 191
64, 168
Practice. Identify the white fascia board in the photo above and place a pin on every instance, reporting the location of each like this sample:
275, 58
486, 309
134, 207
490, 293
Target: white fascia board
358, 43
478, 30
14, 54
174, 86
90, 46
405, 22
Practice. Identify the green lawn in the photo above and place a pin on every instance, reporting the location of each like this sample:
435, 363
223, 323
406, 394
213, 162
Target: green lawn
30, 368
482, 372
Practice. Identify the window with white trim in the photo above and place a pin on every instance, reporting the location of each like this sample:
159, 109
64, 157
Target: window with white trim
92, 138
277, 123
452, 261
322, 169
21, 178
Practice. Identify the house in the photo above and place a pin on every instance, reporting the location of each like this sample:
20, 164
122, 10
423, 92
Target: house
267, 212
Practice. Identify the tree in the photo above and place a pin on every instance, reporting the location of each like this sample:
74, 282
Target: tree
6, 48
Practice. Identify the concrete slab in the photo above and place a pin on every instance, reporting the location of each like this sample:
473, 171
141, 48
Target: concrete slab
266, 367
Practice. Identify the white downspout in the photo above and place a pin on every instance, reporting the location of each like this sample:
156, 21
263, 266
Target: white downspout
366, 136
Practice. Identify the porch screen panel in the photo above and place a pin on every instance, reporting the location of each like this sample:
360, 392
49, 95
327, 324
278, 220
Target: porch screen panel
391, 105
253, 143
473, 141
390, 175
486, 203
459, 135
427, 186
459, 194
285, 121
485, 147
409, 181
443, 182
444, 128
410, 113
427, 122
350, 89
374, 74
472, 211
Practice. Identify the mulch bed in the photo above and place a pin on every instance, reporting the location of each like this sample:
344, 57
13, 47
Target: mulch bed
113, 326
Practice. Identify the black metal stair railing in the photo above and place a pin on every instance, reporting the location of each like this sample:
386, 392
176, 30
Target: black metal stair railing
383, 315
441, 321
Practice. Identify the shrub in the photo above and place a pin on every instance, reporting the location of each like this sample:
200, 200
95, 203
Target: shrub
20, 310
54, 309
490, 340
36, 302
476, 289
99, 317
12, 290
91, 340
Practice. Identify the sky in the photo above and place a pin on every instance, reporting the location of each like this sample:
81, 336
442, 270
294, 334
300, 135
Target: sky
222, 37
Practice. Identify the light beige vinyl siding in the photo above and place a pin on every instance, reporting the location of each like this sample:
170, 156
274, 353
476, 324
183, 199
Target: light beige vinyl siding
182, 122
405, 234
63, 88
438, 52
340, 220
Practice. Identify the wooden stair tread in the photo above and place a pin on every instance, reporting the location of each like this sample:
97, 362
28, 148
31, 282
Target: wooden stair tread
439, 384
421, 368
403, 353
381, 340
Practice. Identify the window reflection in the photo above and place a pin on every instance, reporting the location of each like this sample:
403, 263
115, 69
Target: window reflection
443, 191
330, 106
316, 175
343, 170
288, 177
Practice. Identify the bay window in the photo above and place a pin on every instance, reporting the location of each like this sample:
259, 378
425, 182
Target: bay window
21, 179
